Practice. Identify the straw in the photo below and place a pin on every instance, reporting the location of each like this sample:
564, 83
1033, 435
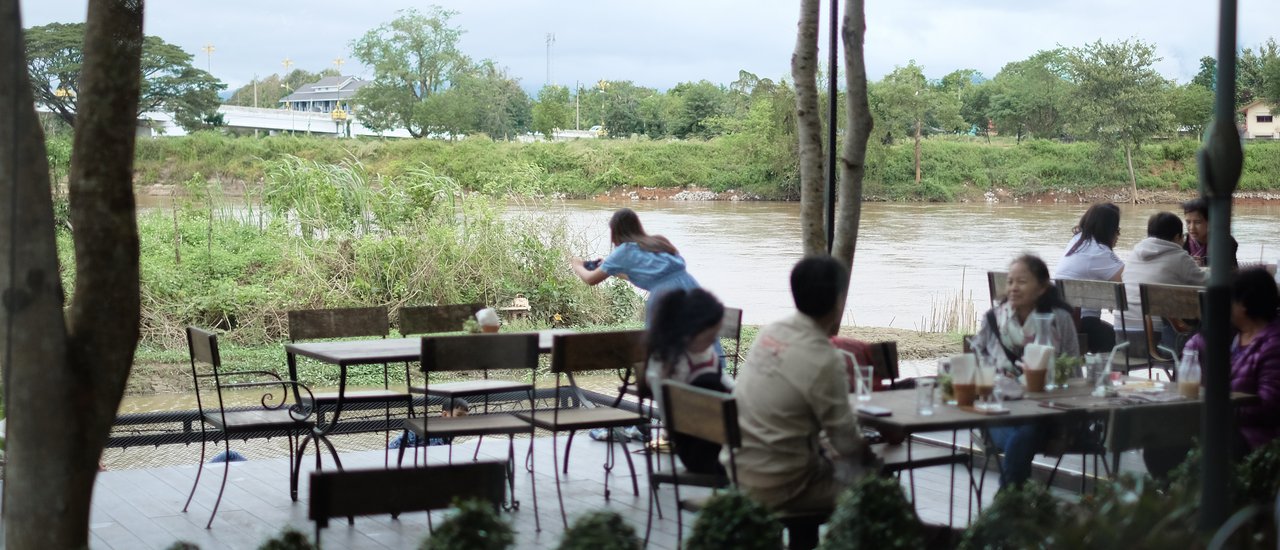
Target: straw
1112, 357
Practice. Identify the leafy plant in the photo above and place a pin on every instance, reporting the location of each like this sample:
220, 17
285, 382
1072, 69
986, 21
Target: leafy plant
1065, 367
289, 539
732, 520
601, 530
1021, 516
1258, 475
474, 525
874, 513
1133, 513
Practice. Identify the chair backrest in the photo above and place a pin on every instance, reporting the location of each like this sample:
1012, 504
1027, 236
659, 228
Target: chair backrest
1152, 425
202, 348
997, 281
1094, 294
474, 352
433, 319
398, 490
1174, 301
311, 324
615, 350
884, 360
731, 328
702, 413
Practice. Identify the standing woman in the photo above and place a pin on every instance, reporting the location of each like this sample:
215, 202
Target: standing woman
650, 262
1090, 256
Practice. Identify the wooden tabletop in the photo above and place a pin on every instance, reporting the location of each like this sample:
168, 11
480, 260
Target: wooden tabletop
383, 350
904, 420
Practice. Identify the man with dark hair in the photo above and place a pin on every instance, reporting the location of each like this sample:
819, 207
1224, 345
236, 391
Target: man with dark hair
800, 440
1196, 211
1159, 258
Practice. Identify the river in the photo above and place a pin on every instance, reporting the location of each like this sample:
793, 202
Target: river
910, 256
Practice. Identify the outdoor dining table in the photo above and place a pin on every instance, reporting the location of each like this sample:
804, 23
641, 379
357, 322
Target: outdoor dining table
349, 353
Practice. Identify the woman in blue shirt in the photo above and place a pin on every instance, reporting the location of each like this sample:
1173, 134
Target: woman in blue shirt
650, 262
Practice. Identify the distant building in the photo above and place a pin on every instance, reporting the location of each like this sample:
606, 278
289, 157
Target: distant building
1258, 123
329, 93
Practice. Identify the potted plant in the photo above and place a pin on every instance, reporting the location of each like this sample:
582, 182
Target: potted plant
601, 530
474, 525
289, 539
732, 520
1020, 517
874, 513
1131, 513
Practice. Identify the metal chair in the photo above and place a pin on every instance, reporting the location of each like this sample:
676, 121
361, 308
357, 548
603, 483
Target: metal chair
478, 352
618, 351
1098, 295
398, 490
997, 281
316, 324
707, 415
267, 417
731, 329
1172, 303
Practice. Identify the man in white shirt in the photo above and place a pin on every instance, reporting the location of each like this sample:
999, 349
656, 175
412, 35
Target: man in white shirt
791, 392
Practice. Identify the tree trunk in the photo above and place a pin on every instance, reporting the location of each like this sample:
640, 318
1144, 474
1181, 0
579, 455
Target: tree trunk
65, 374
857, 132
804, 64
918, 124
1133, 178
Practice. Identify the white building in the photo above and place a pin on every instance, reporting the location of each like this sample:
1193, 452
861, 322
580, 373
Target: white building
1258, 123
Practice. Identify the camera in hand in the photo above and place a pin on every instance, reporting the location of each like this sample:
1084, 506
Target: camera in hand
591, 264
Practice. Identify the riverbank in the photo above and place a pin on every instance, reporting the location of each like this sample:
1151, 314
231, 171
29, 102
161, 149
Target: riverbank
732, 167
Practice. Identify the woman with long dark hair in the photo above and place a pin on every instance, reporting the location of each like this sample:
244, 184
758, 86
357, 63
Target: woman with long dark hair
1091, 256
1006, 330
682, 339
650, 262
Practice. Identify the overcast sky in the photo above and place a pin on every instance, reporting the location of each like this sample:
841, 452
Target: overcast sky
659, 43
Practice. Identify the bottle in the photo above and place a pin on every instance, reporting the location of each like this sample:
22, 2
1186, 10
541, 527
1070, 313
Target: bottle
1044, 340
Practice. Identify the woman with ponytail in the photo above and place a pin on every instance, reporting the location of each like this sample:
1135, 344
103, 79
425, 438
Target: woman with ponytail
683, 334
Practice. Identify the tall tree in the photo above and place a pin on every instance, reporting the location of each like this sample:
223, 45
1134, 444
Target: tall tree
696, 103
1192, 106
55, 63
1029, 97
65, 369
858, 124
907, 103
1119, 96
413, 57
1208, 74
1251, 69
552, 111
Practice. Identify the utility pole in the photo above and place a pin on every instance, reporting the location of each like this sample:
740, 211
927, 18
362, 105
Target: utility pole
208, 57
577, 105
551, 39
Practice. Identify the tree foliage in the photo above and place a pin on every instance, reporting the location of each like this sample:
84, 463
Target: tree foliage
55, 61
552, 111
413, 57
275, 87
1029, 97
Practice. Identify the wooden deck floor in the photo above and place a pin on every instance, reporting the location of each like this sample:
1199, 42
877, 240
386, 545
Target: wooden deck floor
142, 508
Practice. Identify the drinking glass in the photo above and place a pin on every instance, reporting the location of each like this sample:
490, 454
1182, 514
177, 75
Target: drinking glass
924, 395
865, 381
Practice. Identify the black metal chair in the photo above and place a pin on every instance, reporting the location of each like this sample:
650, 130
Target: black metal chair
478, 352
266, 418
618, 351
731, 329
317, 324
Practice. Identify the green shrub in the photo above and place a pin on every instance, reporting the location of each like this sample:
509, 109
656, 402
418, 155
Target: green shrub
474, 525
874, 513
732, 520
601, 530
289, 539
1258, 475
1020, 517
1133, 513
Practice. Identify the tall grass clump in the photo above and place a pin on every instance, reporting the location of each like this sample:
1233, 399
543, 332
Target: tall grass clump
337, 235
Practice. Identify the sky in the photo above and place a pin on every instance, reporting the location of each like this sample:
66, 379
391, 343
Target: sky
659, 43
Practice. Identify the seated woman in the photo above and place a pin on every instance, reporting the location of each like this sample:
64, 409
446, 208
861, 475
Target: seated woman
1090, 256
1255, 356
682, 339
1006, 330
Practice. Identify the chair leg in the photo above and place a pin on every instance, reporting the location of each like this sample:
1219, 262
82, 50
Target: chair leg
404, 442
533, 487
476, 455
559, 493
199, 470
1054, 472
566, 450
332, 451
511, 469
608, 461
226, 472
293, 474
635, 484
